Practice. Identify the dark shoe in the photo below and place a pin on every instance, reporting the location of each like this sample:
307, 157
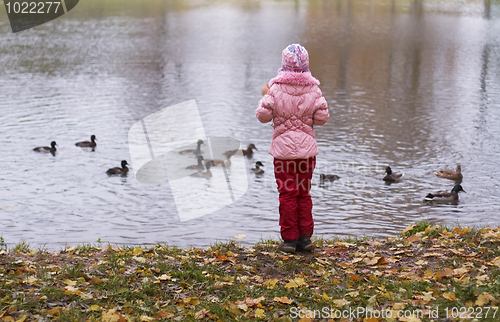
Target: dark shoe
305, 244
288, 246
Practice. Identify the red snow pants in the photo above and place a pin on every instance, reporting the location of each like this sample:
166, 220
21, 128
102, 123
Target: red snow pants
294, 183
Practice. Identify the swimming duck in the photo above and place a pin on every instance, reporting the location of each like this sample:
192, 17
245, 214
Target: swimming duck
248, 151
393, 176
47, 149
444, 196
87, 144
117, 170
328, 177
207, 174
198, 166
257, 168
196, 151
217, 162
450, 174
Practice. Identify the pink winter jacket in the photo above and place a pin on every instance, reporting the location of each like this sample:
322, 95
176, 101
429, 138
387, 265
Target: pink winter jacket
294, 102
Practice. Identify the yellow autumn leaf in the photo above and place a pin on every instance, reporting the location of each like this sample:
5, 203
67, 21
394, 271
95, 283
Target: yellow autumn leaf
283, 299
70, 282
496, 261
484, 298
70, 290
398, 306
295, 282
53, 311
94, 308
260, 314
137, 251
110, 316
449, 296
271, 283
408, 228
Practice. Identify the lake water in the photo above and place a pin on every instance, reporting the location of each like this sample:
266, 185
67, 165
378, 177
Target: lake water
410, 84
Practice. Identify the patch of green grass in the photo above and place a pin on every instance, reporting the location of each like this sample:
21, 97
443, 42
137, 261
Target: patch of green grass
21, 247
74, 271
419, 227
3, 245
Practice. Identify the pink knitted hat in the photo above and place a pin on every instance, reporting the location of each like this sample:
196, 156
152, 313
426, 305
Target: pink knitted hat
295, 58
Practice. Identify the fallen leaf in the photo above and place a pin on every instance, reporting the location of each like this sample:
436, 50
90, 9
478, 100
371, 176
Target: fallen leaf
449, 296
283, 299
94, 307
53, 311
260, 313
201, 314
496, 261
341, 302
408, 228
354, 277
296, 282
137, 251
271, 283
111, 316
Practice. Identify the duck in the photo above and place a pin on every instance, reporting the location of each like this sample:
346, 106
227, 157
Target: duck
392, 176
247, 152
88, 144
328, 177
444, 196
257, 169
204, 174
198, 166
450, 174
196, 151
117, 170
217, 162
47, 149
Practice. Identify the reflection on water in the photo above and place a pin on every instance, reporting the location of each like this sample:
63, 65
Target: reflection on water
410, 84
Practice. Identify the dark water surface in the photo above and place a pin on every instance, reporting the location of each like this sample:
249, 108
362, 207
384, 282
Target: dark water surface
410, 84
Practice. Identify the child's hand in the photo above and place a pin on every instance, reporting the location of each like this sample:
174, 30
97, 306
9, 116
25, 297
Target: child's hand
265, 88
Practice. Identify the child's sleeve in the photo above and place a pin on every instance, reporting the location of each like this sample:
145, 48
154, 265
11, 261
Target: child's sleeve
264, 112
321, 113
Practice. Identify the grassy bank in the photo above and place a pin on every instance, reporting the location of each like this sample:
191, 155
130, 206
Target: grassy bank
427, 273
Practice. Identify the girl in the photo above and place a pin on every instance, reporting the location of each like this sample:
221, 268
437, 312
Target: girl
293, 101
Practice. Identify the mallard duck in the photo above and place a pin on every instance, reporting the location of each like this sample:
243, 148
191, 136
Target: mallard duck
444, 196
47, 149
196, 151
88, 144
248, 151
204, 174
117, 170
328, 177
393, 176
450, 174
198, 166
257, 168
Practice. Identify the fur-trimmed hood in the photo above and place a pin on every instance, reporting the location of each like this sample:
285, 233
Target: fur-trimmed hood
294, 78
